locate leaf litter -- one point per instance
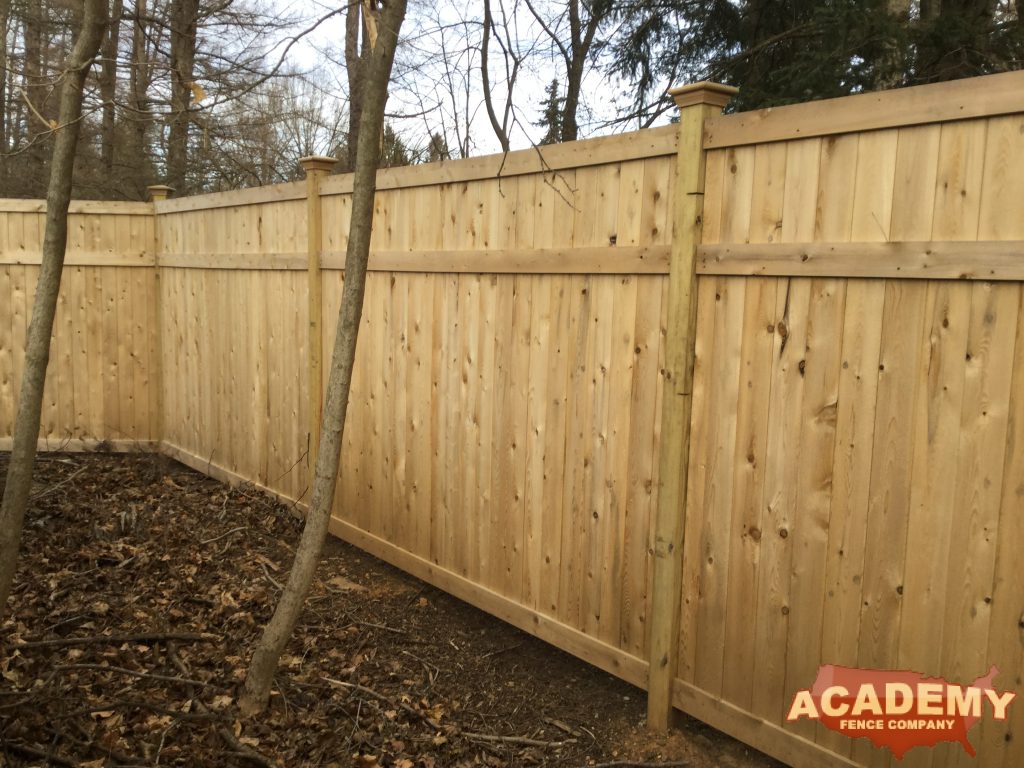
(142, 586)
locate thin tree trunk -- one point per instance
(184, 24)
(307, 556)
(108, 88)
(571, 105)
(35, 93)
(37, 347)
(141, 172)
(573, 75)
(5, 19)
(485, 77)
(355, 66)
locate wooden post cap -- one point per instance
(704, 92)
(158, 192)
(318, 163)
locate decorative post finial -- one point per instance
(159, 192)
(704, 92)
(318, 163)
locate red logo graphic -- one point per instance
(899, 710)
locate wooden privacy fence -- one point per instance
(706, 405)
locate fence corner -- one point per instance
(157, 194)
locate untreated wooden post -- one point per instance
(696, 103)
(316, 169)
(157, 194)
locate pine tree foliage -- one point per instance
(783, 51)
(551, 114)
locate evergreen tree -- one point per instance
(783, 51)
(394, 151)
(551, 114)
(437, 149)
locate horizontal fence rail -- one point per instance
(706, 405)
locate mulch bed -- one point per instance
(143, 585)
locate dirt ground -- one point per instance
(143, 585)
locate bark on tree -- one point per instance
(5, 19)
(35, 88)
(575, 52)
(108, 88)
(485, 75)
(184, 28)
(275, 636)
(139, 81)
(37, 346)
(355, 66)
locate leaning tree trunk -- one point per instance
(275, 636)
(37, 346)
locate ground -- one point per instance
(142, 586)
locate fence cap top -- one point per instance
(704, 92)
(159, 191)
(318, 163)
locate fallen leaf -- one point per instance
(345, 585)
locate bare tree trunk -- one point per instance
(139, 115)
(35, 92)
(485, 77)
(108, 88)
(575, 52)
(355, 66)
(571, 105)
(307, 556)
(892, 66)
(5, 19)
(184, 26)
(37, 347)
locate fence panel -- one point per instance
(103, 355)
(856, 463)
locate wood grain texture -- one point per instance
(856, 444)
(941, 102)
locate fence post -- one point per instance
(696, 103)
(157, 194)
(316, 169)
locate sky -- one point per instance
(431, 89)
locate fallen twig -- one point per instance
(60, 642)
(387, 700)
(55, 486)
(521, 740)
(248, 754)
(225, 534)
(501, 650)
(371, 625)
(270, 578)
(132, 672)
(635, 764)
(27, 750)
(241, 750)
